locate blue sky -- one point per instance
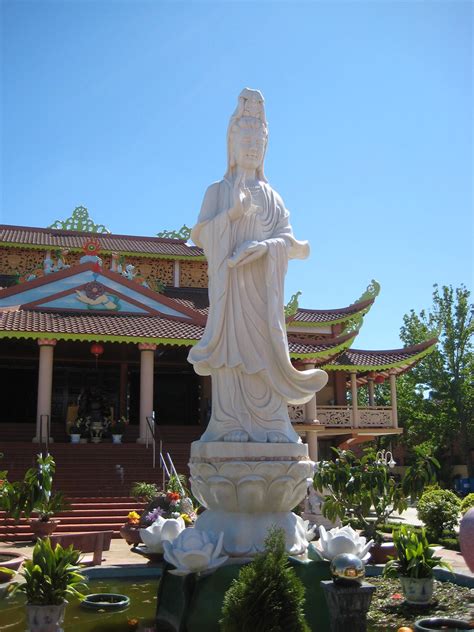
(122, 106)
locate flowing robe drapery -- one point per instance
(244, 347)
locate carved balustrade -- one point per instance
(342, 416)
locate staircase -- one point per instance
(96, 479)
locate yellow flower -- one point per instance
(186, 518)
(133, 517)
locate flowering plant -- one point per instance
(118, 426)
(169, 505)
(133, 518)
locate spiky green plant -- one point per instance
(51, 576)
(267, 596)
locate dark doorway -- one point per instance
(18, 392)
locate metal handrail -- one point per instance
(45, 451)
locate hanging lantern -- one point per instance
(97, 349)
(379, 379)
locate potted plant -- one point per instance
(34, 495)
(50, 577)
(75, 431)
(117, 428)
(414, 564)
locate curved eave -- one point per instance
(362, 309)
(418, 352)
(106, 251)
(323, 354)
(92, 337)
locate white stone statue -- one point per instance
(245, 232)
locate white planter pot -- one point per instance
(75, 438)
(116, 438)
(417, 591)
(45, 618)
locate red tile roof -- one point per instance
(52, 238)
(372, 360)
(97, 326)
(328, 315)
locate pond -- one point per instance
(139, 616)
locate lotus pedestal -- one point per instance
(248, 488)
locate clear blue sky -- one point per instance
(122, 106)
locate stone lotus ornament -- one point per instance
(343, 540)
(194, 551)
(310, 530)
(163, 529)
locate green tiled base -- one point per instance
(190, 604)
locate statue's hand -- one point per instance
(247, 252)
(242, 199)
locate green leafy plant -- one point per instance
(33, 493)
(467, 503)
(119, 426)
(51, 576)
(439, 510)
(416, 557)
(143, 490)
(267, 596)
(363, 491)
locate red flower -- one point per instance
(397, 596)
(173, 496)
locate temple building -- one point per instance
(98, 324)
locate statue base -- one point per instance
(248, 488)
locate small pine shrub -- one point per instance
(439, 510)
(467, 503)
(267, 596)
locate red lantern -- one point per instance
(97, 349)
(379, 379)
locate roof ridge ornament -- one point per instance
(183, 233)
(372, 291)
(354, 324)
(79, 221)
(292, 306)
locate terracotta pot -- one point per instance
(417, 591)
(43, 529)
(45, 618)
(11, 560)
(466, 538)
(379, 552)
(130, 533)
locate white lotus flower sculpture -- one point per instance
(343, 540)
(194, 551)
(310, 530)
(162, 530)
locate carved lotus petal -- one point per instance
(251, 493)
(163, 529)
(343, 540)
(300, 469)
(280, 491)
(194, 551)
(271, 469)
(235, 470)
(221, 493)
(203, 470)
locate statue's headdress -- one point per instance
(250, 105)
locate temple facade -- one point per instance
(98, 324)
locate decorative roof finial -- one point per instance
(79, 221)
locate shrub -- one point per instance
(467, 503)
(439, 510)
(267, 596)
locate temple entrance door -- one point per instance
(69, 382)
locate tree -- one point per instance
(436, 399)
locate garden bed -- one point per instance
(388, 610)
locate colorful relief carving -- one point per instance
(94, 296)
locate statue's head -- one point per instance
(247, 134)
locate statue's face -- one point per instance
(249, 148)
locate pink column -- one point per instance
(147, 358)
(45, 386)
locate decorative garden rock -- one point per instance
(466, 538)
